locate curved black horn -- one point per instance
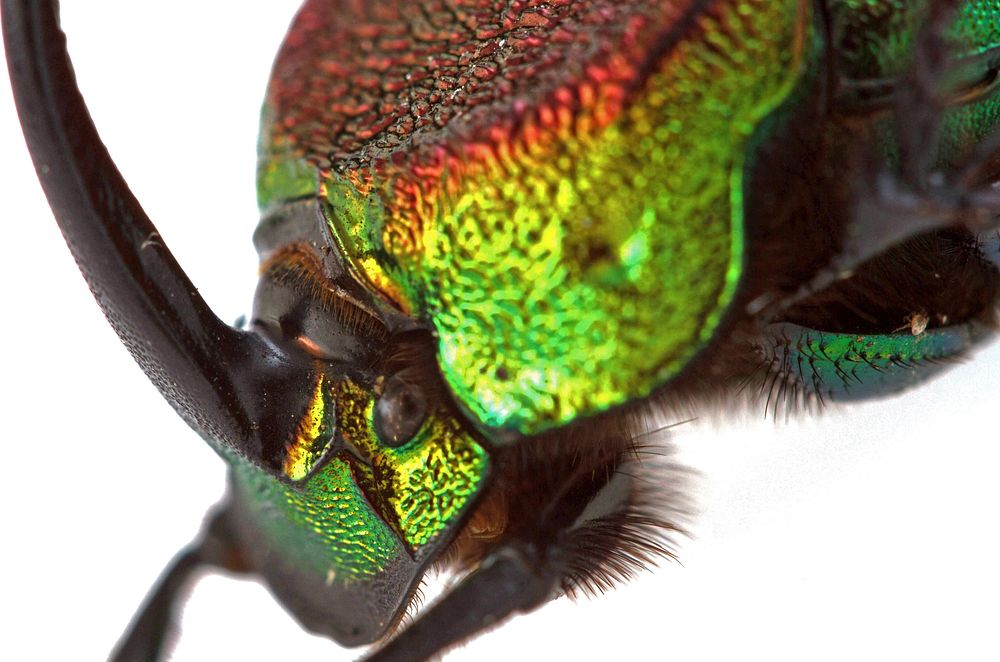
(225, 383)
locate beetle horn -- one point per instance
(225, 383)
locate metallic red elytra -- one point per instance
(365, 445)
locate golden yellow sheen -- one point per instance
(582, 261)
(422, 486)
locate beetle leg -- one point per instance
(918, 102)
(917, 198)
(897, 205)
(596, 523)
(511, 580)
(894, 205)
(514, 579)
(148, 634)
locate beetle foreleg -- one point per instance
(512, 580)
(925, 192)
(919, 196)
(919, 101)
(149, 632)
(578, 527)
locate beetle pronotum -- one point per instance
(862, 456)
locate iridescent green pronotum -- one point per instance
(502, 240)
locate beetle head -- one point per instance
(518, 225)
(351, 469)
(380, 470)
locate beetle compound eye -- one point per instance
(400, 412)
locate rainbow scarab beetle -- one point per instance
(495, 235)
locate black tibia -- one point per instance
(232, 387)
(147, 636)
(576, 513)
(510, 581)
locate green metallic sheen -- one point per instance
(581, 265)
(368, 505)
(873, 38)
(325, 523)
(282, 175)
(422, 487)
(845, 366)
(967, 125)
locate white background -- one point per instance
(866, 535)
